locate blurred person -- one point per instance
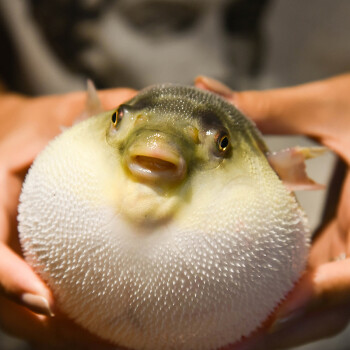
(56, 45)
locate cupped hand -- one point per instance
(319, 305)
(27, 307)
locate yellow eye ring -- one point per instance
(223, 143)
(114, 118)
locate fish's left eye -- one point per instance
(222, 142)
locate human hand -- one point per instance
(319, 305)
(26, 303)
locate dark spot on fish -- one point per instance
(208, 119)
(142, 102)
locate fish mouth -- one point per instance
(159, 163)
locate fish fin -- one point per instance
(93, 105)
(289, 164)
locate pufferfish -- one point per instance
(162, 225)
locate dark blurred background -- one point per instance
(54, 46)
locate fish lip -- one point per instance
(156, 164)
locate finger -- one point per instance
(278, 111)
(329, 245)
(327, 286)
(114, 97)
(331, 283)
(283, 111)
(318, 307)
(20, 322)
(214, 86)
(19, 282)
(66, 108)
(47, 332)
(318, 293)
(298, 330)
(307, 328)
(309, 109)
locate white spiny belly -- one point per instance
(200, 281)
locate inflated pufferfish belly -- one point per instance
(161, 225)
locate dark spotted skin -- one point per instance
(185, 102)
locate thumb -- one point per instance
(19, 283)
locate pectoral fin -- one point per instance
(289, 165)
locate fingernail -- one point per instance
(37, 304)
(215, 86)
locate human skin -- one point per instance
(316, 308)
(319, 306)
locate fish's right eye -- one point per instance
(117, 115)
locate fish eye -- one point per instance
(114, 118)
(117, 115)
(222, 142)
